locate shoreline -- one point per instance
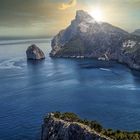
(95, 58)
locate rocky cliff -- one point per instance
(55, 128)
(68, 126)
(87, 38)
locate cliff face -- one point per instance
(68, 126)
(58, 129)
(87, 38)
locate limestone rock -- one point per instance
(88, 38)
(58, 129)
(34, 53)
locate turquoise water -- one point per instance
(102, 91)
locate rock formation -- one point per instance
(87, 38)
(60, 129)
(34, 53)
(68, 126)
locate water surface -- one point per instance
(102, 91)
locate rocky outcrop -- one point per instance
(61, 129)
(34, 53)
(87, 38)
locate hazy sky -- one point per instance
(47, 17)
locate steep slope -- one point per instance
(68, 126)
(55, 128)
(87, 38)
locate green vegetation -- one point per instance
(66, 116)
(115, 135)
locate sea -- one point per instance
(107, 92)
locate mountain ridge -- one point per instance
(87, 38)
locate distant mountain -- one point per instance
(2, 38)
(87, 38)
(136, 32)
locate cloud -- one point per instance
(65, 6)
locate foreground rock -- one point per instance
(55, 128)
(87, 38)
(68, 126)
(34, 53)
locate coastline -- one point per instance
(69, 126)
(95, 58)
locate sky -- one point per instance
(48, 17)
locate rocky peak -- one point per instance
(90, 39)
(83, 16)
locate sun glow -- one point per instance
(97, 14)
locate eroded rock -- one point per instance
(34, 53)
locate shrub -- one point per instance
(57, 114)
(96, 126)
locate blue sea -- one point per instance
(103, 91)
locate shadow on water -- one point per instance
(35, 74)
(35, 67)
(96, 64)
(135, 73)
(136, 76)
(86, 63)
(35, 63)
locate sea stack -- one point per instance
(34, 53)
